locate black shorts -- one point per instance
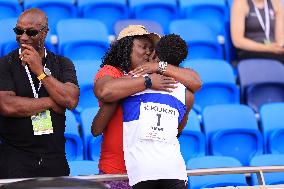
(162, 184)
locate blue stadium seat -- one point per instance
(268, 160)
(107, 11)
(152, 26)
(192, 140)
(83, 167)
(212, 12)
(92, 145)
(259, 89)
(219, 86)
(232, 130)
(200, 46)
(55, 10)
(9, 9)
(210, 181)
(7, 36)
(272, 126)
(86, 71)
(160, 11)
(82, 39)
(73, 145)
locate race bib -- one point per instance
(42, 123)
(158, 122)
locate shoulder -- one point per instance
(240, 6)
(277, 5)
(110, 71)
(10, 58)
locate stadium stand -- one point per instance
(82, 39)
(73, 145)
(160, 11)
(265, 160)
(232, 130)
(92, 145)
(208, 181)
(9, 8)
(206, 43)
(151, 25)
(259, 89)
(83, 167)
(101, 9)
(272, 126)
(86, 71)
(219, 86)
(192, 140)
(55, 9)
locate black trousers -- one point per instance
(242, 54)
(18, 164)
(162, 184)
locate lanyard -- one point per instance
(266, 26)
(35, 92)
(30, 77)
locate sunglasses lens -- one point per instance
(31, 33)
(18, 31)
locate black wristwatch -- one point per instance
(148, 82)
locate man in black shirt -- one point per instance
(36, 87)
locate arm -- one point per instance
(189, 104)
(238, 13)
(279, 21)
(15, 106)
(103, 117)
(64, 94)
(110, 89)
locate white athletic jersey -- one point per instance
(150, 128)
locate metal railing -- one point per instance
(194, 172)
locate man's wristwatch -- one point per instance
(148, 82)
(46, 72)
(162, 67)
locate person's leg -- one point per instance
(149, 184)
(173, 184)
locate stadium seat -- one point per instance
(9, 9)
(92, 145)
(192, 140)
(54, 9)
(83, 167)
(200, 46)
(219, 86)
(272, 126)
(232, 130)
(259, 89)
(268, 160)
(7, 36)
(210, 181)
(73, 145)
(152, 26)
(82, 39)
(212, 12)
(107, 11)
(158, 10)
(86, 71)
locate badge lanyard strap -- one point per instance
(266, 26)
(32, 82)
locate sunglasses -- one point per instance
(29, 32)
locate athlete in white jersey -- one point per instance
(151, 123)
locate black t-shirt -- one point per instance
(18, 132)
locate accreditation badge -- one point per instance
(42, 123)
